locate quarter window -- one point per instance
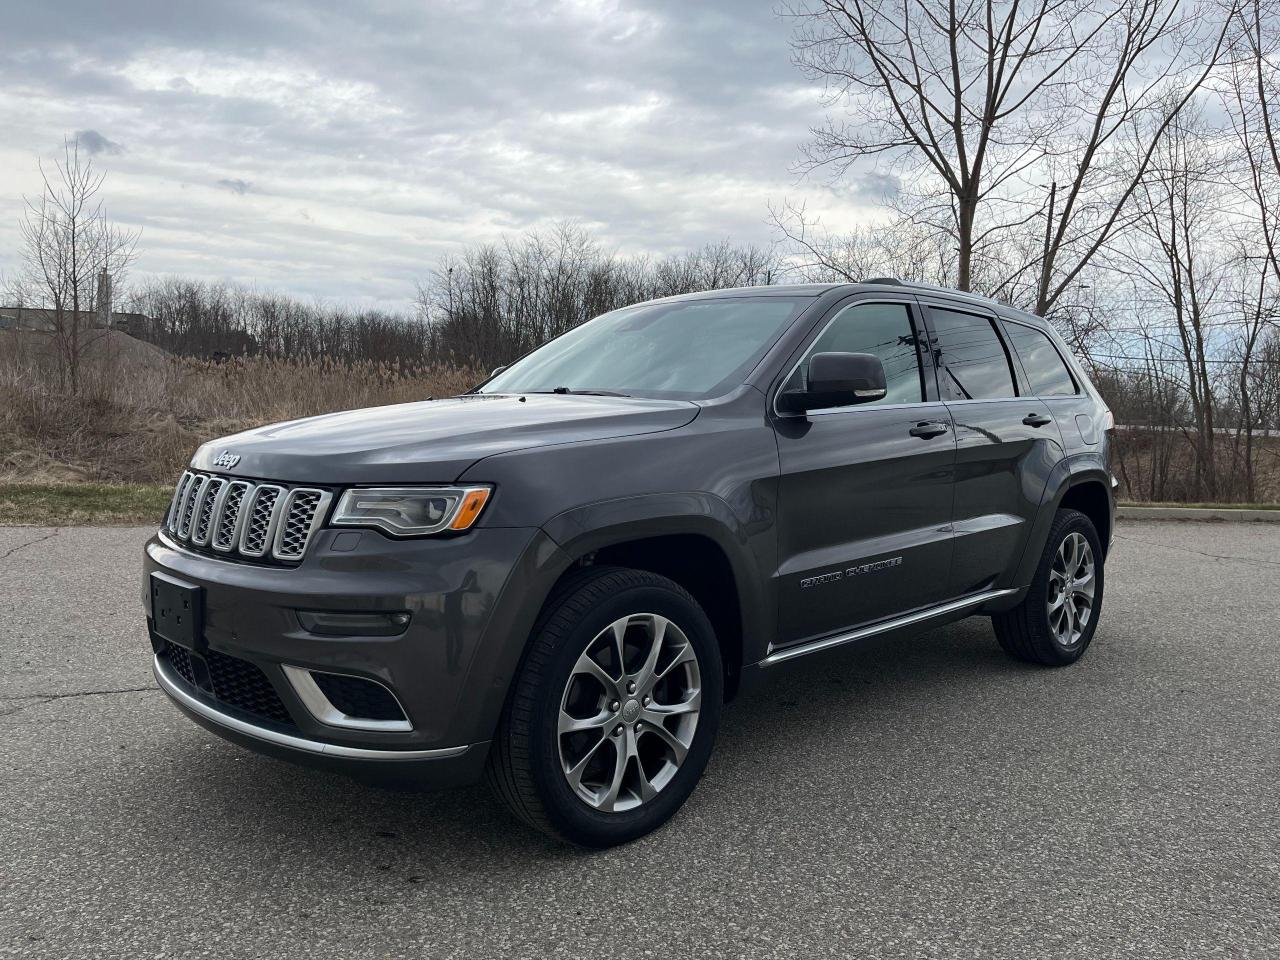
(971, 358)
(883, 329)
(1046, 371)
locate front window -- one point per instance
(883, 329)
(685, 350)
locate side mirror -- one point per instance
(837, 380)
(497, 370)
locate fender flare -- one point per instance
(605, 523)
(1066, 474)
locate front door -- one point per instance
(1006, 444)
(865, 491)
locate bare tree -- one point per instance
(493, 302)
(70, 250)
(1174, 256)
(1006, 117)
(1252, 102)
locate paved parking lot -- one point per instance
(915, 799)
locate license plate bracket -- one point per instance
(177, 611)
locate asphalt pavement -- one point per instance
(922, 798)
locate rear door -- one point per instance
(865, 491)
(1007, 441)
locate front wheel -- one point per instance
(614, 712)
(1056, 620)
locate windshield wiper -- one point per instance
(581, 393)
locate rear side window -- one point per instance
(971, 358)
(1046, 370)
(883, 329)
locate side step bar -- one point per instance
(813, 646)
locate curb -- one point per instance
(1212, 514)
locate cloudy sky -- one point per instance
(337, 149)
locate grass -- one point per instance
(140, 413)
(82, 504)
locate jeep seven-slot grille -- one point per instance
(258, 521)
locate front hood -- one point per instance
(432, 441)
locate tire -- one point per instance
(1038, 629)
(611, 776)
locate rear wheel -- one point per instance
(613, 715)
(1057, 619)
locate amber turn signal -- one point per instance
(472, 504)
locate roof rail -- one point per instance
(917, 285)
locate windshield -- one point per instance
(686, 350)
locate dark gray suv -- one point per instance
(559, 578)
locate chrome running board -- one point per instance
(813, 646)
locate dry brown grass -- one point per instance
(142, 413)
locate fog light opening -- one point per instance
(358, 698)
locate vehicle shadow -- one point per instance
(304, 820)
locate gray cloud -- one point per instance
(876, 186)
(95, 143)
(406, 129)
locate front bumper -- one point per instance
(443, 766)
(470, 600)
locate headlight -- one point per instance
(411, 511)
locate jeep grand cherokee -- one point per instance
(558, 579)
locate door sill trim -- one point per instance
(813, 646)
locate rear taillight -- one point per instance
(1108, 421)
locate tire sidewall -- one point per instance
(1071, 522)
(569, 814)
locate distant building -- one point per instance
(40, 318)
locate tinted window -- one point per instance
(972, 360)
(686, 350)
(1044, 366)
(880, 328)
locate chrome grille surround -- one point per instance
(258, 521)
(202, 523)
(262, 514)
(227, 533)
(294, 527)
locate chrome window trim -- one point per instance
(864, 408)
(1022, 397)
(320, 707)
(235, 724)
(840, 308)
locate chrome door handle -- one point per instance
(927, 429)
(1036, 419)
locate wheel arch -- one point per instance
(693, 539)
(1085, 487)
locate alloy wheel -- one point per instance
(1073, 582)
(629, 712)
